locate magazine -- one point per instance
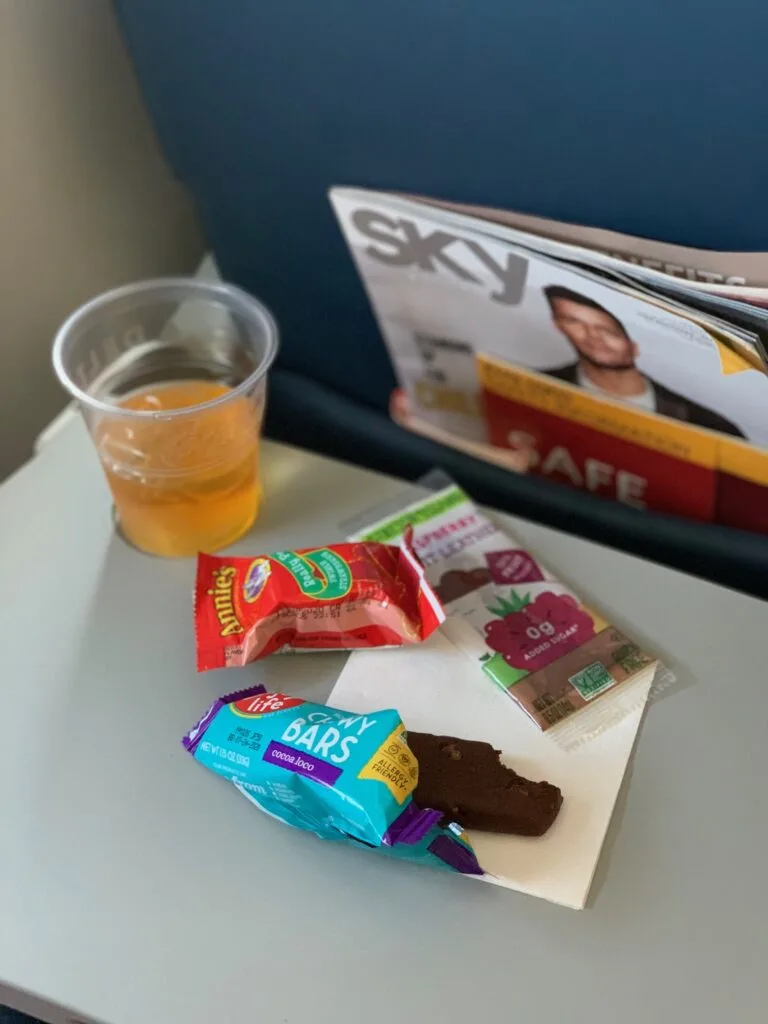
(402, 413)
(627, 381)
(741, 275)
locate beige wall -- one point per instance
(86, 200)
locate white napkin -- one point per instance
(437, 689)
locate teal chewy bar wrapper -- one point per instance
(340, 775)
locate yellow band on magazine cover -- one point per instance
(679, 440)
(739, 458)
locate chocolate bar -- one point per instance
(466, 781)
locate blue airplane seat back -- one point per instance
(647, 118)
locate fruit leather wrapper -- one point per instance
(532, 635)
(343, 776)
(339, 597)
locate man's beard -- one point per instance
(629, 365)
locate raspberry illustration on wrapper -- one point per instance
(531, 634)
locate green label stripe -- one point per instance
(421, 513)
(501, 673)
(321, 574)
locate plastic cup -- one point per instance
(171, 376)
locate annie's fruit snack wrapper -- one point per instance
(337, 597)
(532, 635)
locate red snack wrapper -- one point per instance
(339, 597)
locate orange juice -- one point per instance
(183, 483)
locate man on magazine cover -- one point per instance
(605, 363)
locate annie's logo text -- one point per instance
(223, 600)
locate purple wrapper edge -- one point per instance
(411, 826)
(193, 737)
(455, 854)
